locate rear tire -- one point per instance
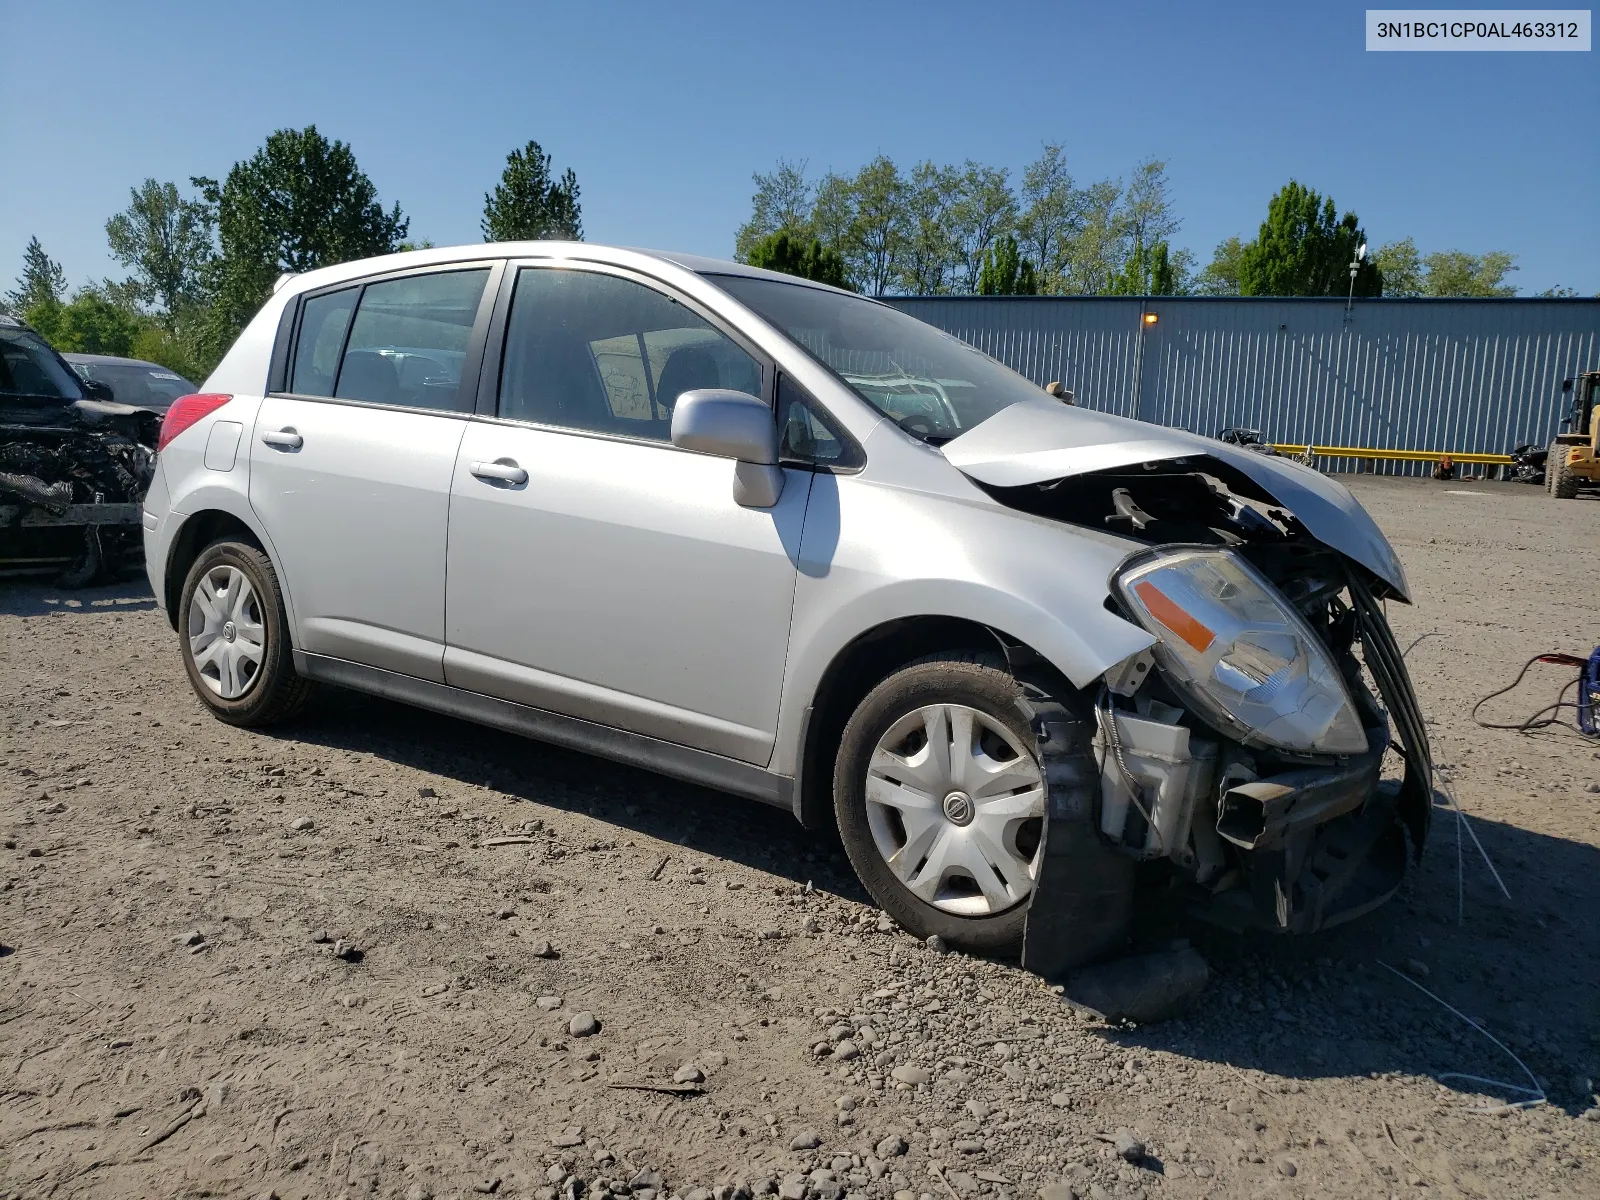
(1562, 482)
(233, 633)
(1005, 716)
(90, 564)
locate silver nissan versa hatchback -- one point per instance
(787, 542)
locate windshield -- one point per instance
(929, 383)
(28, 367)
(144, 385)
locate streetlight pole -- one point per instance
(1355, 267)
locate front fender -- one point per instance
(1041, 583)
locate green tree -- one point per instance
(1457, 273)
(1145, 215)
(984, 209)
(528, 204)
(783, 200)
(1005, 272)
(930, 257)
(793, 254)
(1303, 249)
(1152, 271)
(298, 203)
(1051, 215)
(1094, 254)
(864, 217)
(167, 243)
(938, 229)
(42, 281)
(1221, 275)
(90, 323)
(156, 343)
(1401, 267)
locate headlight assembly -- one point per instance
(1240, 654)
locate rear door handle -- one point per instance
(283, 439)
(503, 470)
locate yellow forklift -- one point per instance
(1574, 460)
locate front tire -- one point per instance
(1562, 482)
(941, 790)
(234, 634)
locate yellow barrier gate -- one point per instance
(1394, 455)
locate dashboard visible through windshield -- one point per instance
(932, 385)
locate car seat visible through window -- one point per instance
(368, 375)
(688, 368)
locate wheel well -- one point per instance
(859, 668)
(198, 532)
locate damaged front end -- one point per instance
(72, 478)
(1267, 749)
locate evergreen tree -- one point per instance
(42, 281)
(527, 204)
(1004, 272)
(1152, 271)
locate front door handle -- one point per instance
(283, 439)
(504, 470)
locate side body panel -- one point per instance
(621, 584)
(357, 511)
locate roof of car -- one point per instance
(593, 251)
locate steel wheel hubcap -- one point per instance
(227, 637)
(955, 804)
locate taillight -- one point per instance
(185, 411)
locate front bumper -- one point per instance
(1324, 845)
(1315, 846)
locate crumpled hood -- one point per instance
(1036, 441)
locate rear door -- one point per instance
(351, 464)
(595, 569)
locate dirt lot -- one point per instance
(175, 1019)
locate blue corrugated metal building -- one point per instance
(1434, 375)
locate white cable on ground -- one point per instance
(1463, 823)
(1535, 1094)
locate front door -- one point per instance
(350, 469)
(593, 568)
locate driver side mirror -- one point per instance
(733, 425)
(95, 390)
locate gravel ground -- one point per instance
(307, 963)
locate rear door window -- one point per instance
(408, 342)
(323, 322)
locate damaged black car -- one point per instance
(74, 467)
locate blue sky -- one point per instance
(664, 110)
